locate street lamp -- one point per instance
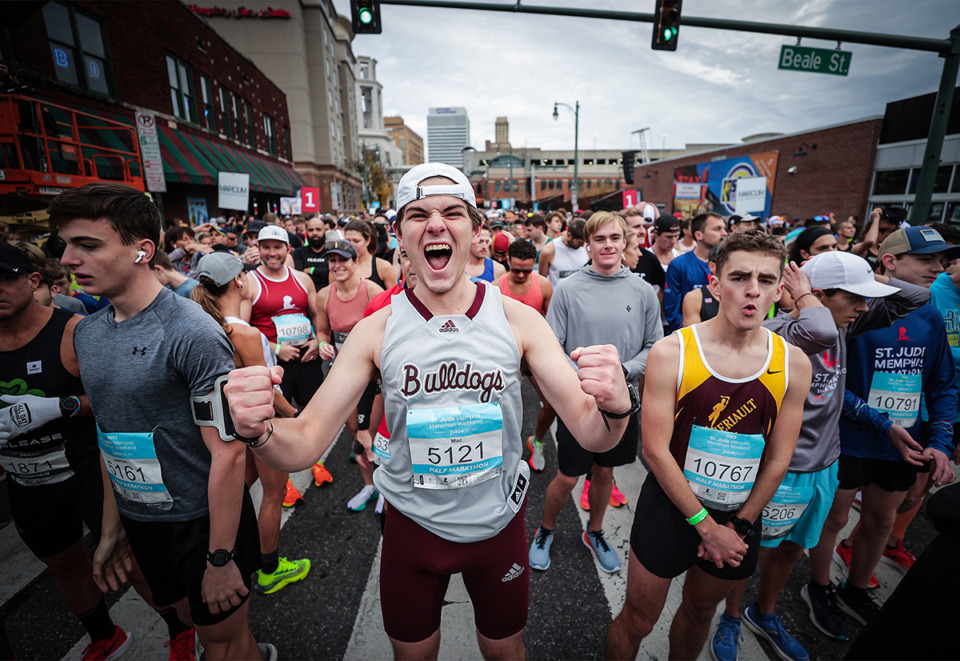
(576, 147)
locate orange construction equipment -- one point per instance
(47, 148)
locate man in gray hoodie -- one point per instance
(604, 303)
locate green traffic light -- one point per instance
(366, 16)
(669, 33)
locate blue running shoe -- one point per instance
(540, 549)
(771, 628)
(606, 557)
(726, 639)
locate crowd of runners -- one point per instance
(771, 376)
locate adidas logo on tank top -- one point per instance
(449, 327)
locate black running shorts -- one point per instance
(50, 518)
(173, 558)
(666, 544)
(574, 460)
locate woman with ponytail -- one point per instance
(221, 292)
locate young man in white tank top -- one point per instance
(437, 220)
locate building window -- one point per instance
(182, 97)
(248, 114)
(237, 116)
(78, 48)
(225, 111)
(940, 185)
(286, 143)
(543, 184)
(891, 182)
(207, 110)
(268, 130)
(496, 187)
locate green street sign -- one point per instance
(815, 60)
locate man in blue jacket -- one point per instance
(691, 270)
(891, 370)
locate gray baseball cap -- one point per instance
(221, 267)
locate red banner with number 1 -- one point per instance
(310, 200)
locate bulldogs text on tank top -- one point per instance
(451, 389)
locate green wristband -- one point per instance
(698, 517)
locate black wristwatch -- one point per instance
(634, 405)
(220, 557)
(742, 527)
(69, 406)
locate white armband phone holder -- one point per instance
(213, 411)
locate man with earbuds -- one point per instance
(148, 363)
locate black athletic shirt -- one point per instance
(650, 269)
(36, 369)
(313, 264)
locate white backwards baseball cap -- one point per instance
(846, 271)
(409, 188)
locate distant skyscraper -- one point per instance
(502, 130)
(448, 132)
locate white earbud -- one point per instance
(140, 255)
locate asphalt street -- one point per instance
(334, 613)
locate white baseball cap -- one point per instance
(409, 188)
(274, 232)
(846, 271)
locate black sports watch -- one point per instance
(634, 405)
(742, 527)
(220, 557)
(69, 406)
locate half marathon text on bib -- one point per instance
(897, 395)
(134, 469)
(784, 510)
(454, 447)
(292, 329)
(721, 466)
(37, 468)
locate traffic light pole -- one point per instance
(949, 49)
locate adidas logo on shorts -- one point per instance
(514, 572)
(449, 327)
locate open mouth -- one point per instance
(750, 308)
(438, 255)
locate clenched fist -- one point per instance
(601, 375)
(250, 393)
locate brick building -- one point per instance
(215, 110)
(408, 140)
(823, 170)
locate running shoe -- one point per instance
(288, 571)
(321, 475)
(726, 639)
(771, 628)
(537, 462)
(857, 603)
(824, 612)
(857, 500)
(617, 498)
(380, 503)
(359, 502)
(183, 647)
(268, 651)
(898, 557)
(540, 549)
(107, 649)
(842, 555)
(607, 559)
(292, 496)
(585, 496)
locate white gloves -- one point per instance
(26, 413)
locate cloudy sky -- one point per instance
(719, 86)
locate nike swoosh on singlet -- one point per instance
(777, 372)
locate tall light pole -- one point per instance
(576, 147)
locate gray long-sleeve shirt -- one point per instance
(817, 335)
(620, 309)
